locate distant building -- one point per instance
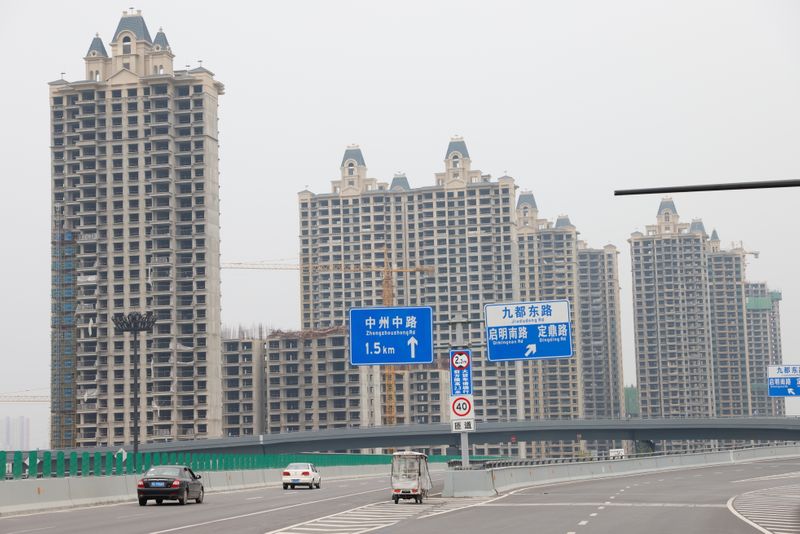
(475, 245)
(310, 384)
(764, 346)
(135, 219)
(704, 334)
(461, 229)
(728, 328)
(600, 334)
(671, 318)
(242, 387)
(15, 433)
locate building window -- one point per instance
(126, 45)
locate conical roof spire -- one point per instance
(667, 204)
(564, 222)
(133, 22)
(526, 198)
(457, 144)
(161, 40)
(714, 235)
(400, 182)
(354, 152)
(97, 47)
(697, 227)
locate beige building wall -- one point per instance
(135, 182)
(461, 230)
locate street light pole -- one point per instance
(134, 323)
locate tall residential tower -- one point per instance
(671, 317)
(135, 219)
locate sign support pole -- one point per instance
(460, 343)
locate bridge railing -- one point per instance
(59, 464)
(520, 462)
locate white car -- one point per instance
(301, 474)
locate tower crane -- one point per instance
(389, 371)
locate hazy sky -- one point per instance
(574, 99)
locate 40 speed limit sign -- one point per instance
(461, 407)
(462, 416)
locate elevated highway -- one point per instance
(751, 428)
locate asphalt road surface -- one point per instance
(722, 499)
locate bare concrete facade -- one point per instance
(135, 196)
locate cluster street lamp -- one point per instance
(134, 323)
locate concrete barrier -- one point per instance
(33, 495)
(487, 482)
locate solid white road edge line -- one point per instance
(743, 518)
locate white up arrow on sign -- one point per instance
(412, 342)
(531, 349)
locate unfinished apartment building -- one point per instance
(135, 228)
(242, 386)
(451, 246)
(600, 337)
(671, 318)
(554, 264)
(763, 346)
(728, 326)
(310, 384)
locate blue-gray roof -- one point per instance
(526, 198)
(161, 40)
(563, 222)
(457, 145)
(135, 24)
(97, 47)
(666, 203)
(714, 235)
(354, 153)
(697, 226)
(401, 182)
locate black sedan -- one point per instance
(170, 482)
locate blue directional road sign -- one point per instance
(460, 372)
(391, 336)
(783, 380)
(528, 330)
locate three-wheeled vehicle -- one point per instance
(410, 476)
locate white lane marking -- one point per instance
(370, 517)
(571, 532)
(793, 474)
(601, 507)
(743, 518)
(260, 512)
(459, 505)
(254, 498)
(614, 505)
(582, 523)
(267, 486)
(593, 514)
(31, 530)
(613, 497)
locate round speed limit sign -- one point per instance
(462, 407)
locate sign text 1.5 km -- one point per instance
(391, 336)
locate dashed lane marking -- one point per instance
(582, 523)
